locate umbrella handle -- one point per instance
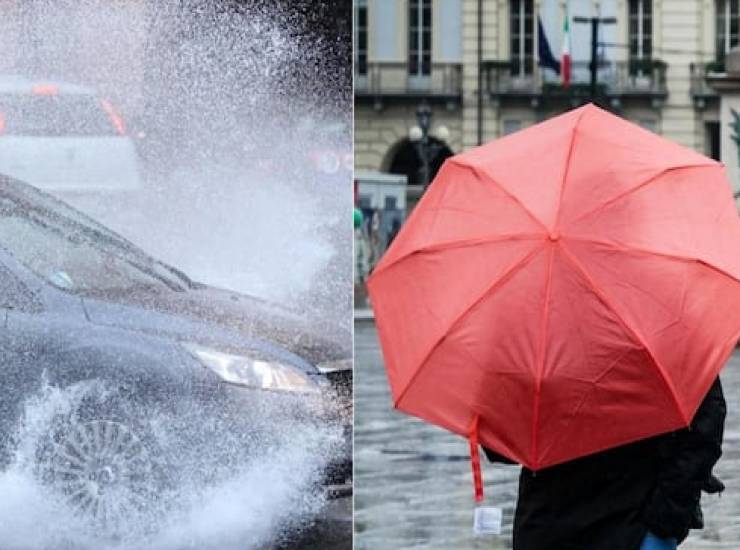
(475, 459)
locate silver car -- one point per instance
(65, 139)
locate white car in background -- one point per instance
(65, 139)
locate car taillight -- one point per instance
(327, 162)
(45, 89)
(115, 118)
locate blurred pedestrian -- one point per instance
(395, 228)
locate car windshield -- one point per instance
(75, 257)
(53, 115)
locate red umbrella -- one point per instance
(563, 290)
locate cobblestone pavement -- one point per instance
(413, 485)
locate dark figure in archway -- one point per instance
(406, 160)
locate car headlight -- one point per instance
(254, 371)
(330, 367)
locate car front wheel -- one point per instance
(106, 467)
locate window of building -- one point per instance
(727, 26)
(511, 125)
(449, 30)
(640, 29)
(361, 37)
(649, 124)
(365, 202)
(712, 137)
(386, 28)
(420, 37)
(522, 37)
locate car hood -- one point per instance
(218, 314)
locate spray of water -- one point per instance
(226, 102)
(219, 495)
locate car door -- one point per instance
(18, 377)
(15, 297)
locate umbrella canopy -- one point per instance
(567, 289)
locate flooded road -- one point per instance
(413, 485)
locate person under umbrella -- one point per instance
(567, 296)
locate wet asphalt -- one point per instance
(332, 530)
(413, 485)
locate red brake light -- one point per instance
(115, 118)
(45, 89)
(326, 161)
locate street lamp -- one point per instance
(426, 149)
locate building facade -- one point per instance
(476, 63)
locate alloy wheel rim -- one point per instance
(103, 470)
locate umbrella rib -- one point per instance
(492, 288)
(567, 168)
(486, 177)
(632, 190)
(647, 251)
(584, 397)
(462, 243)
(541, 359)
(661, 370)
(474, 213)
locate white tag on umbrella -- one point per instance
(487, 520)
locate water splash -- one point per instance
(264, 489)
(226, 102)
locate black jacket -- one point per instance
(609, 500)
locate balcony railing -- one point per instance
(388, 79)
(700, 90)
(616, 79)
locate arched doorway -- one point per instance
(404, 159)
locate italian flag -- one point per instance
(565, 57)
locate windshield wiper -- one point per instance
(97, 236)
(134, 257)
(127, 255)
(179, 274)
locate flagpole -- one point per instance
(537, 72)
(593, 66)
(479, 125)
(594, 57)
